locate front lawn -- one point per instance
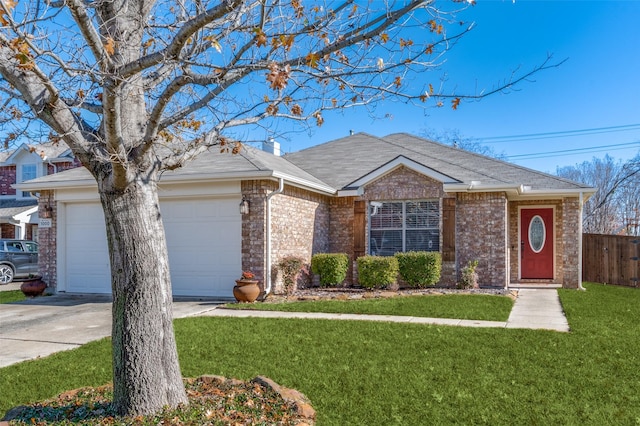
(11, 296)
(362, 373)
(474, 307)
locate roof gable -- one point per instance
(345, 162)
(390, 167)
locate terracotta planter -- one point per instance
(246, 290)
(33, 288)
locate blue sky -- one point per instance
(596, 88)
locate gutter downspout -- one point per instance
(580, 212)
(267, 281)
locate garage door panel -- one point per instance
(203, 240)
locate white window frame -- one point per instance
(21, 177)
(434, 216)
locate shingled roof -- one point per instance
(344, 161)
(351, 162)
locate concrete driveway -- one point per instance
(45, 325)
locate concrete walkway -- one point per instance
(533, 309)
(45, 325)
(538, 309)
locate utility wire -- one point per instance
(560, 134)
(549, 155)
(576, 150)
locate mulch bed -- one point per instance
(213, 400)
(355, 293)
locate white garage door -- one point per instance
(203, 237)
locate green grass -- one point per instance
(362, 373)
(477, 307)
(11, 296)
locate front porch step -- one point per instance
(519, 286)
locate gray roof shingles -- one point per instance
(345, 160)
(339, 163)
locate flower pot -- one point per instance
(33, 288)
(246, 290)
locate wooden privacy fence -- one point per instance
(611, 259)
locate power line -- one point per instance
(578, 150)
(559, 134)
(567, 152)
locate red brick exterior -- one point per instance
(481, 234)
(7, 178)
(304, 223)
(47, 252)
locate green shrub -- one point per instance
(290, 267)
(420, 268)
(469, 278)
(331, 267)
(377, 271)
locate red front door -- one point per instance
(536, 243)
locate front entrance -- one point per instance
(536, 243)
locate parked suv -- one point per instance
(18, 258)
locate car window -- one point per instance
(31, 247)
(14, 246)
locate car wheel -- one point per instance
(6, 274)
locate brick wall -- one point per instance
(7, 178)
(299, 227)
(567, 240)
(403, 184)
(481, 234)
(341, 231)
(570, 242)
(7, 230)
(47, 243)
(253, 226)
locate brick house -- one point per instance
(357, 195)
(19, 209)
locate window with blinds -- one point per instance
(401, 226)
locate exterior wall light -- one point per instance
(244, 206)
(46, 212)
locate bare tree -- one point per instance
(138, 87)
(455, 138)
(615, 207)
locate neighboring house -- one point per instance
(19, 209)
(358, 195)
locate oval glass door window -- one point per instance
(537, 234)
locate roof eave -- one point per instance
(190, 178)
(521, 192)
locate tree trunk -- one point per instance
(146, 371)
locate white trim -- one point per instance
(397, 163)
(268, 257)
(519, 192)
(88, 181)
(553, 236)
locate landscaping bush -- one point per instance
(469, 277)
(331, 267)
(290, 267)
(377, 271)
(420, 268)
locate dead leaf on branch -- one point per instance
(23, 54)
(278, 77)
(110, 46)
(455, 103)
(296, 110)
(9, 5)
(261, 37)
